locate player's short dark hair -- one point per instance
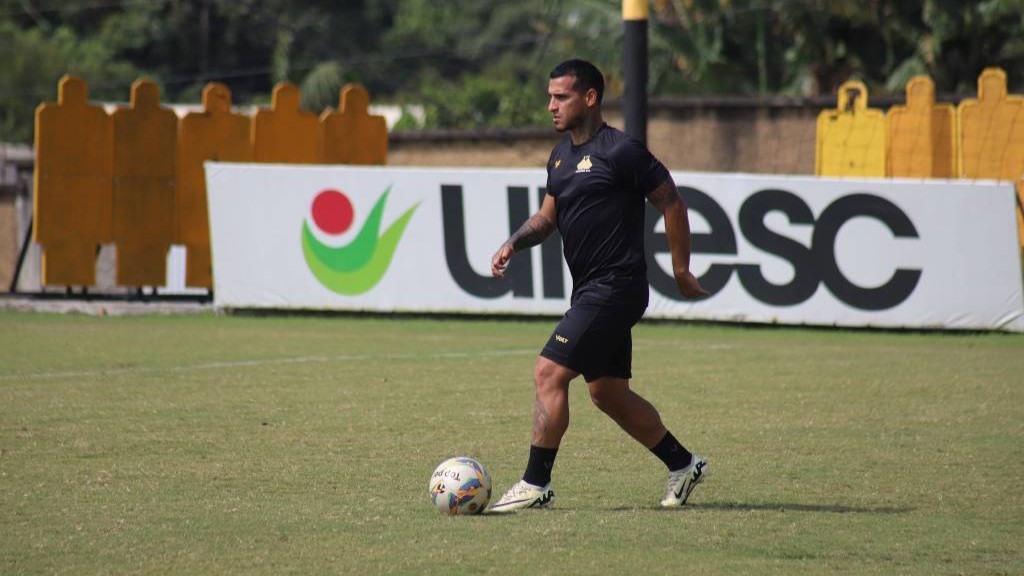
(587, 76)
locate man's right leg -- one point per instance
(550, 421)
(551, 411)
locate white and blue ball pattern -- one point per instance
(460, 486)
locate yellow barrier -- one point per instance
(72, 201)
(353, 136)
(214, 134)
(284, 133)
(922, 134)
(992, 130)
(145, 148)
(992, 135)
(136, 177)
(851, 137)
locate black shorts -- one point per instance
(594, 339)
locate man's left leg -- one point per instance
(640, 419)
(629, 410)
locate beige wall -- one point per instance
(8, 238)
(482, 150)
(758, 140)
(742, 137)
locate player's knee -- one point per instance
(607, 400)
(549, 378)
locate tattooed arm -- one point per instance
(532, 232)
(677, 228)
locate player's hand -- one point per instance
(689, 287)
(499, 262)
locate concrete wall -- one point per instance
(15, 206)
(8, 238)
(466, 149)
(744, 138)
(773, 136)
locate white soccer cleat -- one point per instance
(521, 496)
(682, 482)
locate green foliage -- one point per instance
(407, 121)
(478, 64)
(483, 101)
(321, 88)
(24, 79)
(35, 60)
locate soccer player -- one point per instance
(598, 179)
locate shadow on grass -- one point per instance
(726, 506)
(790, 507)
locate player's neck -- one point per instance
(586, 130)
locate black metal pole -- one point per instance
(634, 18)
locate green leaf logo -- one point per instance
(358, 266)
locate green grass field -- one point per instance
(240, 445)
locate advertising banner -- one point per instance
(770, 249)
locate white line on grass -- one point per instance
(265, 362)
(301, 359)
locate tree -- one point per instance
(479, 64)
(36, 59)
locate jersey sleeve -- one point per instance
(637, 168)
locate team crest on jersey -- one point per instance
(558, 163)
(585, 165)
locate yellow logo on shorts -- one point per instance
(561, 339)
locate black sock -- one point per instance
(538, 468)
(672, 453)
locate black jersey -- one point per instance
(600, 188)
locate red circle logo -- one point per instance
(332, 211)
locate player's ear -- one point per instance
(591, 97)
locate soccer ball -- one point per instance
(460, 486)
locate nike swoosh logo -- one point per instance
(698, 472)
(544, 499)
